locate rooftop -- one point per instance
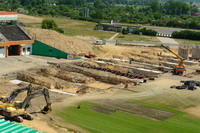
(12, 33)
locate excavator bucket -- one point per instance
(46, 110)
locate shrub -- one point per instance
(186, 34)
(145, 31)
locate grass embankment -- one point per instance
(120, 122)
(188, 42)
(76, 28)
(132, 37)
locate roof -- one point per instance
(8, 13)
(10, 127)
(13, 33)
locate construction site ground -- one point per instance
(102, 89)
(156, 92)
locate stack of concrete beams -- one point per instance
(196, 52)
(150, 73)
(168, 64)
(163, 68)
(186, 62)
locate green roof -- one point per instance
(11, 127)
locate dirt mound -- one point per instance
(137, 52)
(65, 43)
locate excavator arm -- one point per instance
(15, 93)
(41, 92)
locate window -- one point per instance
(28, 49)
(24, 50)
(1, 47)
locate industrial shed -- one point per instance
(13, 39)
(43, 49)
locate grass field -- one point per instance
(120, 122)
(190, 42)
(132, 37)
(76, 28)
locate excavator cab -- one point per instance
(17, 104)
(4, 99)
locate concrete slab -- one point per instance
(16, 63)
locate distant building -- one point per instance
(196, 14)
(116, 27)
(13, 39)
(86, 12)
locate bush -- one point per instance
(145, 31)
(51, 24)
(186, 34)
(124, 31)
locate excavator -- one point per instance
(16, 110)
(180, 68)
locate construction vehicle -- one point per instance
(15, 93)
(180, 68)
(17, 111)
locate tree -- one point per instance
(155, 6)
(49, 24)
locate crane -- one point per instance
(180, 68)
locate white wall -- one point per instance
(2, 52)
(27, 49)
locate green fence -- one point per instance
(42, 49)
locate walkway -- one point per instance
(167, 40)
(113, 37)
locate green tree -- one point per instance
(155, 6)
(49, 24)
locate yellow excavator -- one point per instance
(16, 110)
(180, 68)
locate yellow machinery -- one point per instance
(180, 68)
(16, 110)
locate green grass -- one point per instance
(121, 122)
(76, 28)
(190, 42)
(132, 37)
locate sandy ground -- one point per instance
(195, 111)
(125, 52)
(167, 40)
(29, 19)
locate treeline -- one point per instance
(186, 34)
(171, 13)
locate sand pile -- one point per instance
(65, 43)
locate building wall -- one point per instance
(8, 17)
(26, 49)
(42, 49)
(2, 52)
(196, 52)
(184, 52)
